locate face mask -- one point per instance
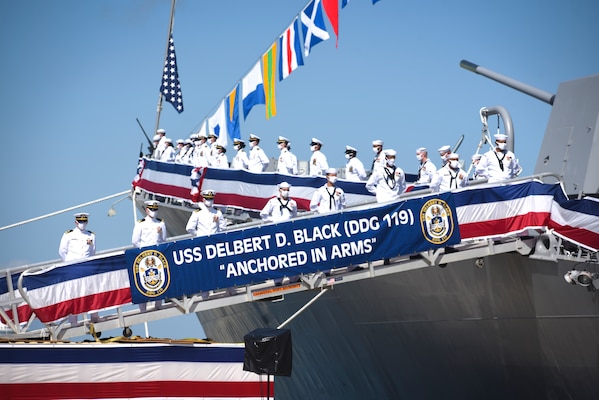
(391, 162)
(332, 179)
(281, 146)
(314, 148)
(208, 203)
(418, 157)
(236, 147)
(252, 144)
(501, 146)
(284, 193)
(152, 213)
(81, 225)
(455, 164)
(375, 150)
(347, 156)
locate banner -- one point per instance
(291, 248)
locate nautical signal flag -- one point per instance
(252, 89)
(217, 124)
(313, 27)
(291, 51)
(233, 113)
(269, 65)
(331, 8)
(171, 88)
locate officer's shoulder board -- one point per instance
(141, 220)
(69, 231)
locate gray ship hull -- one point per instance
(513, 329)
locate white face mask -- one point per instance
(236, 147)
(418, 157)
(455, 164)
(284, 193)
(81, 225)
(152, 213)
(332, 179)
(208, 203)
(501, 146)
(252, 144)
(314, 148)
(444, 157)
(281, 146)
(390, 161)
(375, 150)
(347, 156)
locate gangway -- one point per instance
(539, 243)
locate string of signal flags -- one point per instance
(284, 55)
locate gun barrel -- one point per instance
(514, 84)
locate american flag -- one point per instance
(171, 88)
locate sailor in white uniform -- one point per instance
(201, 152)
(241, 160)
(450, 176)
(354, 168)
(328, 197)
(426, 169)
(206, 219)
(444, 151)
(161, 133)
(258, 159)
(318, 161)
(281, 207)
(212, 143)
(498, 164)
(388, 182)
(150, 230)
(285, 163)
(379, 155)
(168, 154)
(78, 243)
(219, 160)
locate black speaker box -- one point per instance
(268, 351)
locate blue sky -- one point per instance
(77, 74)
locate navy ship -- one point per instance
(496, 326)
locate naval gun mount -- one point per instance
(570, 146)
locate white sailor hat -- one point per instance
(81, 216)
(168, 140)
(180, 141)
(208, 194)
(377, 142)
(331, 171)
(212, 134)
(476, 157)
(193, 136)
(349, 149)
(253, 137)
(151, 204)
(390, 152)
(500, 136)
(453, 156)
(284, 185)
(187, 141)
(156, 138)
(282, 139)
(160, 131)
(315, 141)
(444, 149)
(421, 150)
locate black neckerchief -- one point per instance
(500, 160)
(282, 206)
(453, 177)
(331, 196)
(390, 177)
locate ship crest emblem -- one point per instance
(152, 274)
(436, 221)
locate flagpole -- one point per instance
(168, 37)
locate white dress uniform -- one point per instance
(278, 209)
(498, 166)
(386, 183)
(285, 164)
(258, 160)
(448, 178)
(77, 244)
(318, 163)
(168, 154)
(148, 232)
(200, 155)
(206, 221)
(327, 199)
(426, 171)
(241, 160)
(220, 161)
(354, 170)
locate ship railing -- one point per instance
(127, 315)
